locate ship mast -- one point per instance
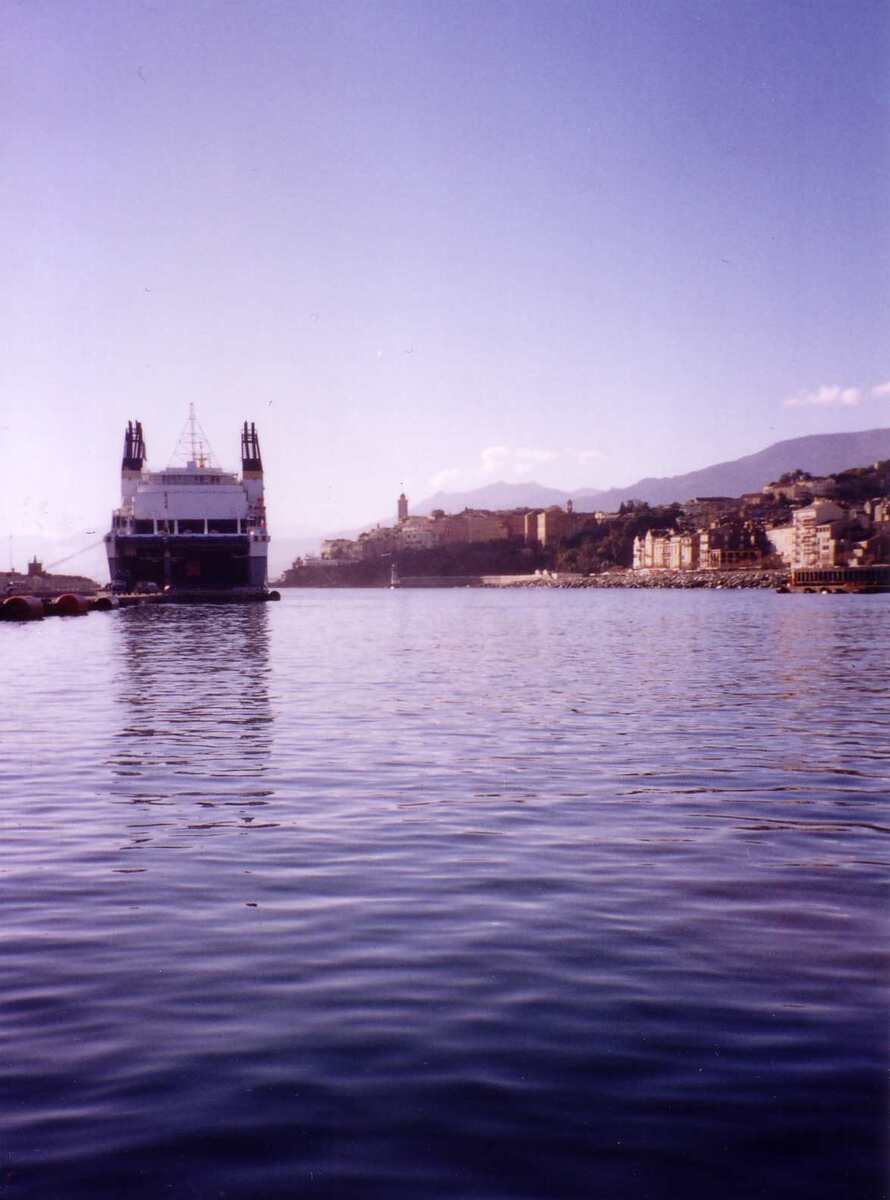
(193, 434)
(193, 444)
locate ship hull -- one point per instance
(187, 562)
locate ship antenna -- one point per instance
(193, 443)
(193, 435)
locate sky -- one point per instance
(429, 245)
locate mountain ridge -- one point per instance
(818, 453)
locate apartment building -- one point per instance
(809, 546)
(652, 551)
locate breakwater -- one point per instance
(652, 579)
(565, 579)
(608, 579)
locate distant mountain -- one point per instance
(495, 496)
(819, 453)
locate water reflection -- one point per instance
(192, 690)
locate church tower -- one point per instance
(403, 508)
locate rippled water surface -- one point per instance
(447, 894)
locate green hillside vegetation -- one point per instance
(611, 544)
(863, 483)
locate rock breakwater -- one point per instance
(658, 579)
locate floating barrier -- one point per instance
(71, 605)
(21, 608)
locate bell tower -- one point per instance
(403, 508)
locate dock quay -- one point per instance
(841, 579)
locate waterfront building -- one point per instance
(730, 545)
(781, 542)
(416, 533)
(485, 527)
(554, 524)
(514, 522)
(878, 510)
(652, 551)
(530, 527)
(449, 530)
(808, 546)
(683, 551)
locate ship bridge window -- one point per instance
(143, 526)
(191, 526)
(222, 525)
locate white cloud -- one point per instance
(494, 458)
(589, 456)
(881, 390)
(514, 460)
(447, 477)
(829, 395)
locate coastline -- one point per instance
(709, 580)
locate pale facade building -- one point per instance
(553, 525)
(806, 522)
(781, 541)
(416, 533)
(683, 551)
(653, 550)
(801, 489)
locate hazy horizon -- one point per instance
(428, 247)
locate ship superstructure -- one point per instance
(191, 527)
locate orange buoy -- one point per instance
(21, 608)
(71, 605)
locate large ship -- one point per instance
(189, 528)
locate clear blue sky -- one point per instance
(435, 243)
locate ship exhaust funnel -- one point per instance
(134, 447)
(251, 459)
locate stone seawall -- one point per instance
(440, 581)
(564, 579)
(656, 579)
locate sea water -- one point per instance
(459, 893)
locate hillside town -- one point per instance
(796, 522)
